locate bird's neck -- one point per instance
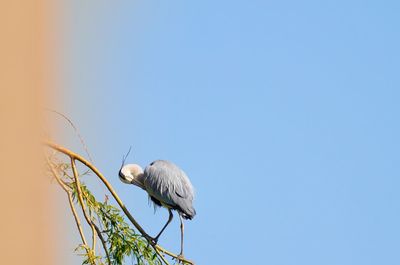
(138, 180)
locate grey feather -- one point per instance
(168, 184)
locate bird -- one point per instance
(167, 185)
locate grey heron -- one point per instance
(167, 185)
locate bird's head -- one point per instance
(132, 174)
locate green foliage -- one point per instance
(121, 240)
(88, 255)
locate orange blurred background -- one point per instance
(25, 78)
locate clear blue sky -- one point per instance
(284, 114)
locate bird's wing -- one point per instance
(170, 185)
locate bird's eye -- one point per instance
(152, 163)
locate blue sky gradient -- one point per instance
(284, 114)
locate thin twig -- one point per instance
(177, 257)
(75, 129)
(80, 199)
(71, 204)
(74, 157)
(160, 255)
(77, 220)
(103, 241)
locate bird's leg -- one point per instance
(182, 230)
(165, 226)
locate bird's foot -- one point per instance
(152, 241)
